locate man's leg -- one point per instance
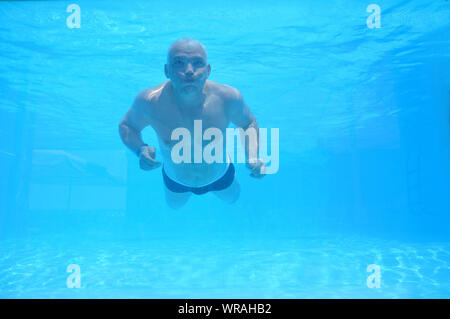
(229, 194)
(176, 200)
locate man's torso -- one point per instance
(165, 116)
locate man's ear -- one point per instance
(166, 71)
(209, 69)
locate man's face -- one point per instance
(187, 68)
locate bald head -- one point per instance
(186, 44)
(187, 66)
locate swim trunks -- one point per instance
(224, 182)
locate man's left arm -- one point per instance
(242, 117)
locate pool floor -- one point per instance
(311, 267)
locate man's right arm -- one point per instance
(138, 117)
(134, 121)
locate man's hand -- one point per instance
(147, 158)
(257, 167)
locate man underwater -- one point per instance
(189, 96)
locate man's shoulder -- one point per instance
(150, 95)
(146, 101)
(226, 92)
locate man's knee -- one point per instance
(233, 199)
(175, 204)
(176, 201)
(236, 194)
(231, 194)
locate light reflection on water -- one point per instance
(302, 268)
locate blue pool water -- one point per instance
(364, 177)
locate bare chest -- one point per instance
(169, 117)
